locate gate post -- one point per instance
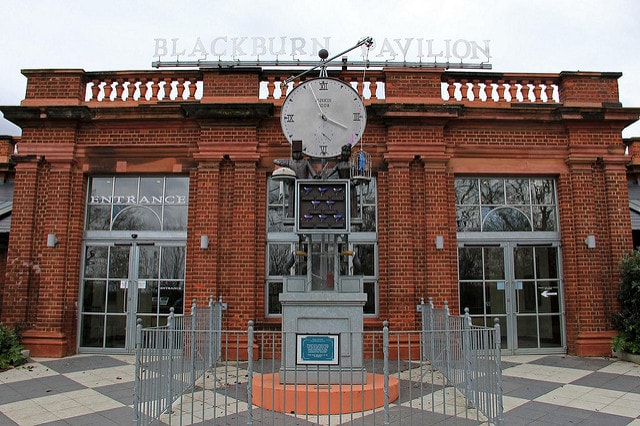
(385, 369)
(466, 345)
(171, 325)
(194, 311)
(498, 349)
(138, 378)
(447, 347)
(210, 345)
(250, 373)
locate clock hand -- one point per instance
(334, 122)
(324, 117)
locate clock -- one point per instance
(325, 114)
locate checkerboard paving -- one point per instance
(98, 390)
(83, 389)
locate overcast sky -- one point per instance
(525, 35)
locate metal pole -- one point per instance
(250, 373)
(385, 369)
(466, 345)
(498, 344)
(171, 325)
(211, 305)
(447, 347)
(138, 378)
(367, 40)
(194, 311)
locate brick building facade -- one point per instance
(504, 193)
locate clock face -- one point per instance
(325, 114)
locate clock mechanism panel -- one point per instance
(322, 206)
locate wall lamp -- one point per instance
(590, 241)
(439, 242)
(52, 240)
(204, 242)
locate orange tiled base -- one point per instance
(270, 394)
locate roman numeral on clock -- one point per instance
(289, 118)
(324, 85)
(357, 116)
(323, 149)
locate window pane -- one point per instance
(523, 263)
(470, 259)
(135, 218)
(175, 218)
(171, 296)
(544, 218)
(543, 191)
(518, 191)
(173, 263)
(548, 297)
(368, 219)
(466, 191)
(279, 257)
(151, 188)
(119, 262)
(546, 262)
(495, 298)
(93, 296)
(526, 296)
(370, 290)
(92, 331)
(274, 288)
(471, 296)
(366, 259)
(117, 295)
(179, 187)
(126, 187)
(98, 218)
(494, 263)
(550, 333)
(527, 332)
(95, 264)
(506, 219)
(148, 260)
(147, 297)
(101, 186)
(468, 219)
(492, 191)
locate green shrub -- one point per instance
(627, 321)
(10, 348)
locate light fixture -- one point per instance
(439, 242)
(204, 242)
(52, 240)
(590, 241)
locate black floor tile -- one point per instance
(44, 386)
(121, 392)
(526, 388)
(610, 381)
(580, 363)
(82, 363)
(6, 421)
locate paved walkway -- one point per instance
(538, 390)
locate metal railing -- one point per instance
(439, 375)
(468, 356)
(169, 359)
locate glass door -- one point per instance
(519, 284)
(126, 282)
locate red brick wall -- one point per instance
(417, 153)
